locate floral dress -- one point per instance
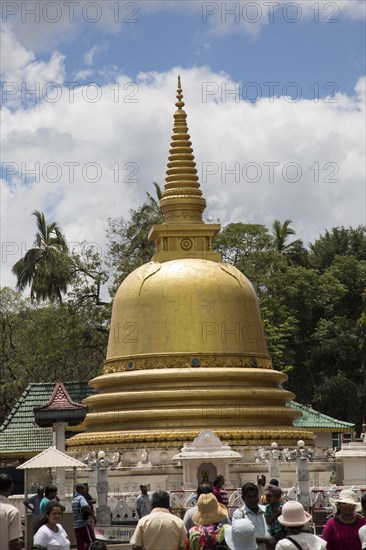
(196, 539)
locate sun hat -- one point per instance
(293, 514)
(347, 497)
(241, 535)
(209, 510)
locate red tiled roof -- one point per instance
(60, 400)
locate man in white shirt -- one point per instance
(159, 529)
(143, 503)
(256, 514)
(10, 524)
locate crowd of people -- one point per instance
(264, 522)
(46, 516)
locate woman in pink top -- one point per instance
(341, 532)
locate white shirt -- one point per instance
(307, 541)
(362, 535)
(51, 540)
(10, 524)
(258, 519)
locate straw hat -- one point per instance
(346, 497)
(293, 514)
(241, 535)
(209, 511)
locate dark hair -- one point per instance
(160, 499)
(363, 500)
(49, 507)
(98, 545)
(203, 489)
(5, 482)
(249, 486)
(50, 489)
(217, 481)
(274, 482)
(80, 487)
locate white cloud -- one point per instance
(89, 55)
(125, 135)
(22, 74)
(83, 75)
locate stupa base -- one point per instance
(111, 440)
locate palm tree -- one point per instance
(152, 207)
(280, 235)
(46, 267)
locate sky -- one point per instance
(274, 92)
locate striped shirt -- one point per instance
(79, 502)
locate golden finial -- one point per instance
(182, 200)
(183, 232)
(179, 103)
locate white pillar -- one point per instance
(58, 433)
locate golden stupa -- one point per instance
(186, 347)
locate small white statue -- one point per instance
(90, 461)
(144, 456)
(274, 461)
(115, 461)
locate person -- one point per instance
(296, 522)
(256, 514)
(202, 489)
(341, 531)
(218, 491)
(89, 499)
(273, 511)
(275, 482)
(88, 496)
(209, 529)
(241, 535)
(363, 505)
(143, 504)
(51, 535)
(261, 483)
(10, 523)
(50, 493)
(362, 531)
(84, 533)
(160, 529)
(223, 492)
(33, 504)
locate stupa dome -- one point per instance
(186, 312)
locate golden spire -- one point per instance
(182, 200)
(183, 234)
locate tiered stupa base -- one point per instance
(168, 407)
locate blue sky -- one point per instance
(305, 52)
(298, 74)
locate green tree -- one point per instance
(280, 234)
(46, 266)
(58, 341)
(339, 241)
(339, 397)
(129, 246)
